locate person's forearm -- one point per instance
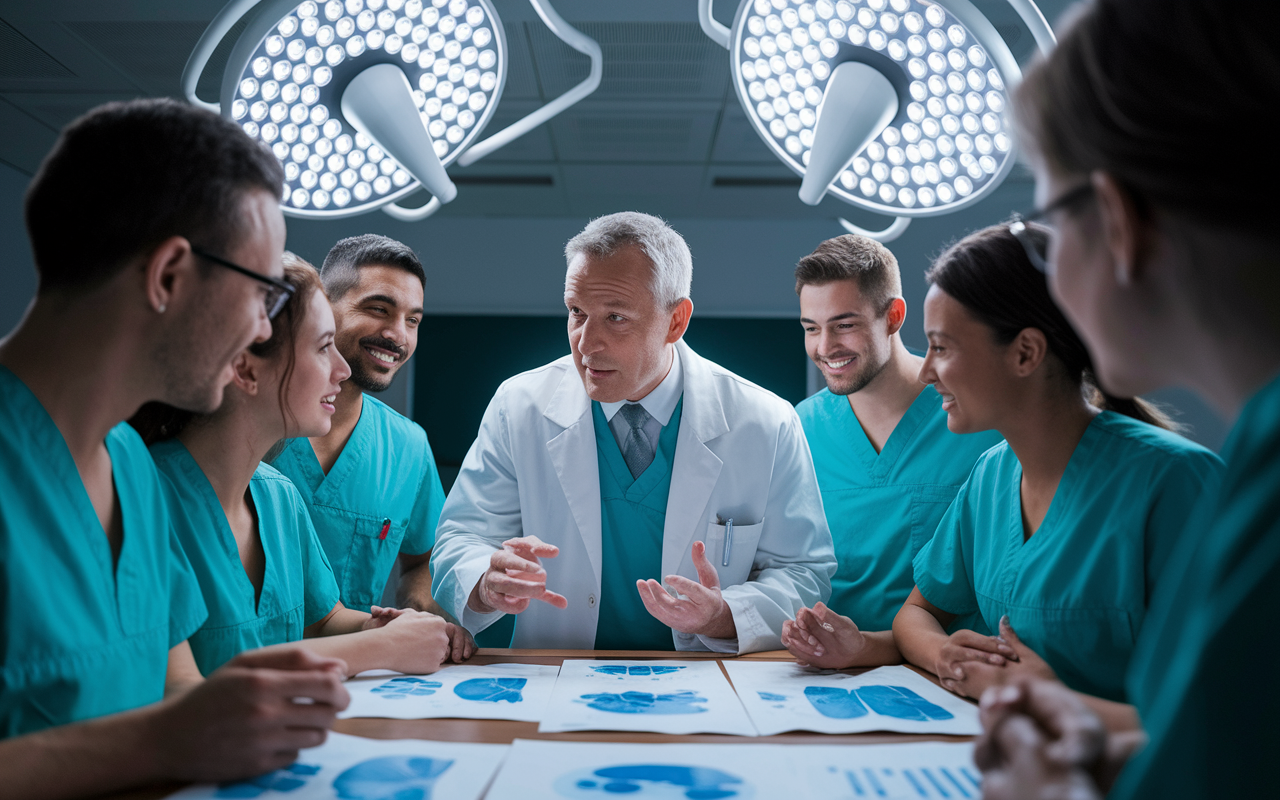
(361, 650)
(342, 621)
(96, 757)
(879, 649)
(1117, 717)
(414, 591)
(918, 636)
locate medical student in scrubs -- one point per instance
(1167, 264)
(157, 235)
(371, 482)
(887, 464)
(1063, 532)
(244, 526)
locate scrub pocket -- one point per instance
(742, 551)
(927, 509)
(370, 560)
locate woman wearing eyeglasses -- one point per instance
(242, 524)
(1062, 531)
(1167, 264)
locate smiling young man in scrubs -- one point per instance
(887, 465)
(157, 236)
(371, 483)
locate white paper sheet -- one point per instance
(354, 768)
(923, 771)
(467, 691)
(539, 770)
(675, 697)
(787, 697)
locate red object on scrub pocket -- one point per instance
(386, 528)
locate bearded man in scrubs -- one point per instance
(371, 483)
(157, 236)
(887, 465)
(629, 461)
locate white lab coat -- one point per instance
(533, 470)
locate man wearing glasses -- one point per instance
(157, 236)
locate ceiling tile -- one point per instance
(23, 59)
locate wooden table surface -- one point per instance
(498, 731)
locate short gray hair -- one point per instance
(665, 249)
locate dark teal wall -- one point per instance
(462, 359)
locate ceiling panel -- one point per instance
(25, 140)
(23, 59)
(522, 80)
(737, 141)
(635, 132)
(153, 53)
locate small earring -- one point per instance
(162, 308)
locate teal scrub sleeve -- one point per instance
(421, 534)
(320, 588)
(944, 566)
(1188, 481)
(187, 611)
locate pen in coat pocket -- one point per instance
(728, 541)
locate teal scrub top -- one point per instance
(1200, 676)
(381, 498)
(80, 638)
(883, 507)
(633, 515)
(1077, 591)
(298, 588)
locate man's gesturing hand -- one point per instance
(515, 577)
(700, 609)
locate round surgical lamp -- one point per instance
(366, 101)
(896, 106)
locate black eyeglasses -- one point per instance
(278, 291)
(1022, 233)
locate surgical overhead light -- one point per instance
(896, 106)
(365, 101)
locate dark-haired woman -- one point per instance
(1062, 531)
(1168, 263)
(244, 526)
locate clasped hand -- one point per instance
(970, 663)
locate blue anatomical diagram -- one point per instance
(770, 697)
(288, 779)
(890, 701)
(406, 686)
(831, 701)
(491, 690)
(646, 702)
(391, 778)
(900, 702)
(654, 781)
(623, 669)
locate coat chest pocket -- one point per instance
(732, 554)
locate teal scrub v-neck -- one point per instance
(633, 515)
(1200, 677)
(82, 637)
(298, 588)
(381, 498)
(883, 507)
(1077, 591)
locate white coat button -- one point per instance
(591, 601)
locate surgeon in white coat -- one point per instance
(630, 460)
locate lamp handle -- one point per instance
(578, 41)
(209, 41)
(887, 235)
(412, 214)
(715, 31)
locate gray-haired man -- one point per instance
(631, 459)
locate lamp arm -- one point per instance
(412, 214)
(887, 235)
(1035, 21)
(209, 41)
(578, 41)
(715, 31)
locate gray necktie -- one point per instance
(637, 450)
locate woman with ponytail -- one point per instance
(1051, 549)
(1161, 193)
